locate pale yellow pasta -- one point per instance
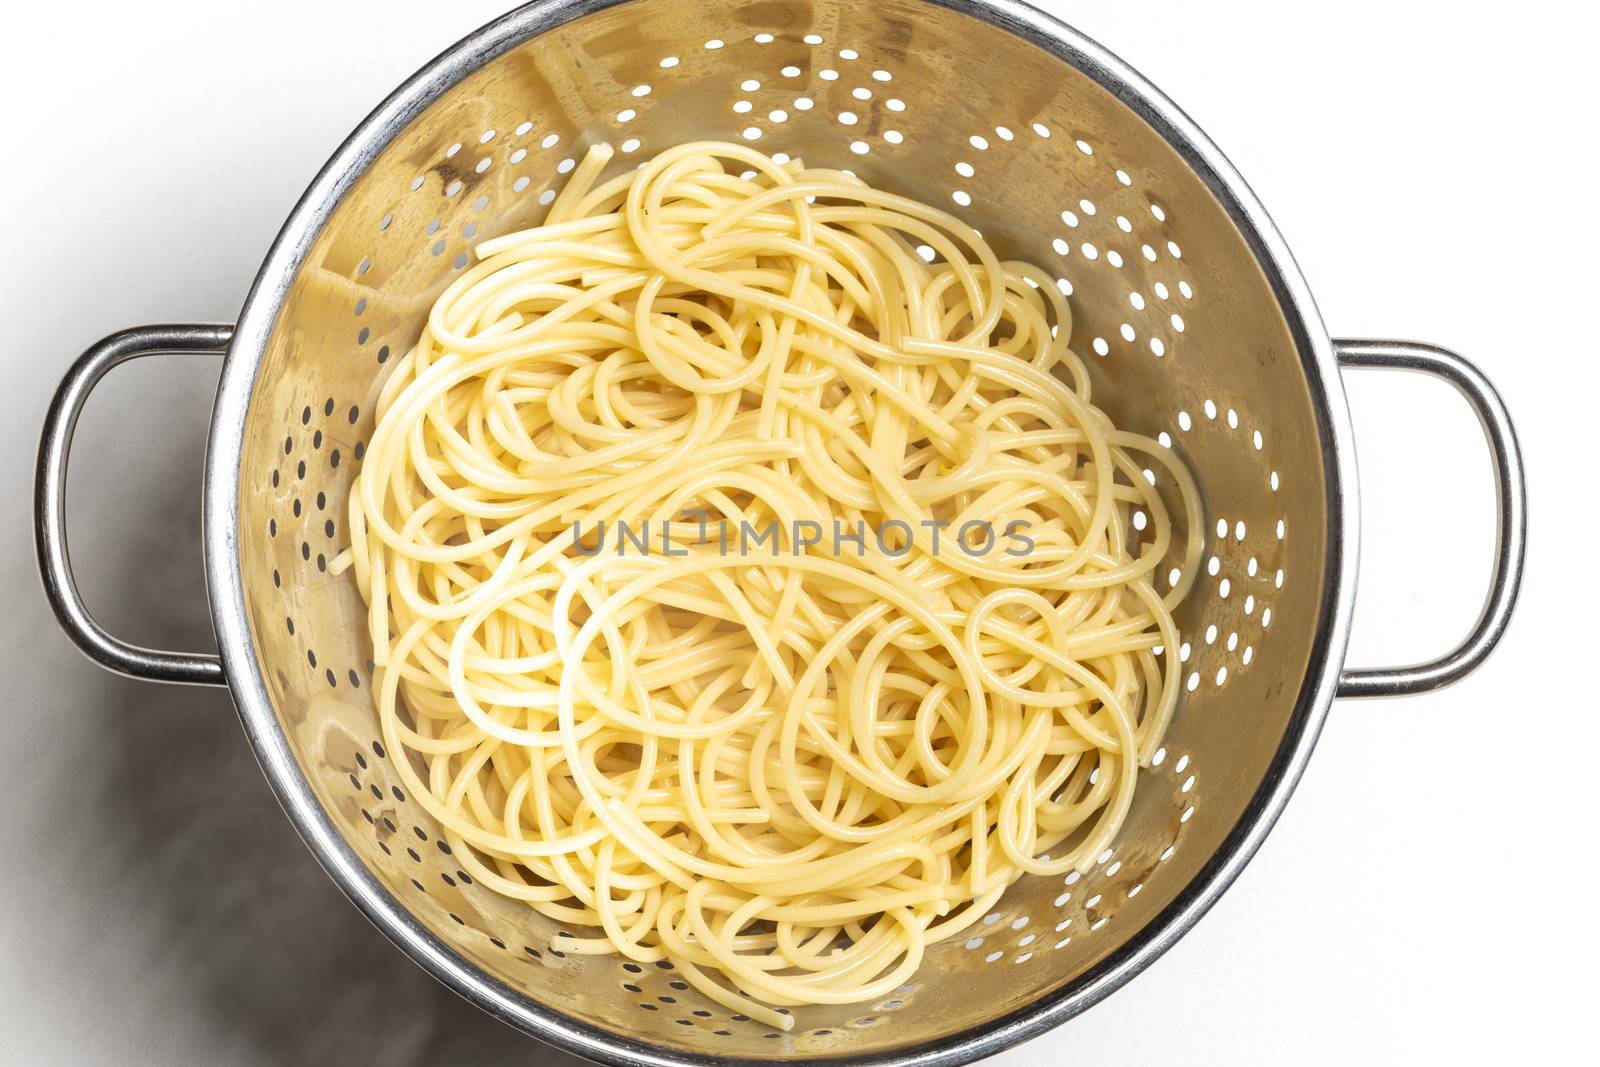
(894, 635)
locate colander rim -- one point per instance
(225, 578)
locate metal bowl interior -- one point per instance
(1192, 316)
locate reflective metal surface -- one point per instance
(1511, 515)
(50, 504)
(1187, 306)
(1119, 193)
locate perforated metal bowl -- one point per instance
(1197, 326)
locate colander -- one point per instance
(1195, 321)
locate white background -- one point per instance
(1427, 894)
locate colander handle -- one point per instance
(50, 504)
(1511, 514)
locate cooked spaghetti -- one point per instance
(753, 584)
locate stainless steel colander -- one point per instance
(1197, 326)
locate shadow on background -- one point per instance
(230, 906)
